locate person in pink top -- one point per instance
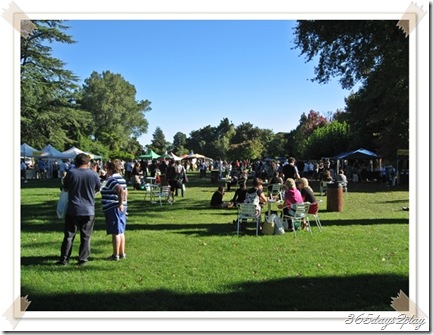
(291, 196)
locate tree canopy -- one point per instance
(375, 55)
(117, 116)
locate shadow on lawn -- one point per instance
(355, 293)
(205, 229)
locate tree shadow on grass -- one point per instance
(352, 293)
(362, 222)
(206, 228)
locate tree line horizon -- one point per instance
(103, 116)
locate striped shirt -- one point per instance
(109, 193)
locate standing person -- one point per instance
(290, 170)
(82, 184)
(202, 169)
(62, 169)
(172, 181)
(136, 172)
(180, 175)
(23, 170)
(42, 168)
(114, 204)
(128, 170)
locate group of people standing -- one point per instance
(82, 184)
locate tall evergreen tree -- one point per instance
(48, 109)
(159, 143)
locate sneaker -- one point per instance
(122, 256)
(64, 263)
(113, 258)
(82, 263)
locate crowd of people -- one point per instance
(83, 178)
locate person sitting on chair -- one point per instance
(276, 179)
(217, 199)
(291, 196)
(307, 194)
(240, 193)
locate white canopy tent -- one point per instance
(50, 152)
(52, 156)
(176, 158)
(74, 151)
(28, 151)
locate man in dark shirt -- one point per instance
(82, 183)
(290, 170)
(217, 199)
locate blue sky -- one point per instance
(197, 72)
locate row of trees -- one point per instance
(315, 137)
(103, 115)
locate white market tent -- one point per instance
(28, 151)
(50, 152)
(74, 151)
(50, 155)
(176, 158)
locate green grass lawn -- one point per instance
(187, 257)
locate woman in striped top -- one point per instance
(114, 203)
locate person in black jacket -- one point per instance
(240, 194)
(217, 199)
(290, 170)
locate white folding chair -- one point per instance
(164, 192)
(276, 190)
(248, 211)
(300, 215)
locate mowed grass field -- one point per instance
(187, 256)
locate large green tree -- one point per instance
(212, 141)
(375, 55)
(179, 143)
(117, 116)
(327, 141)
(49, 113)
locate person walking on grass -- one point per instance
(82, 184)
(114, 205)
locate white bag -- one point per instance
(276, 223)
(62, 205)
(279, 228)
